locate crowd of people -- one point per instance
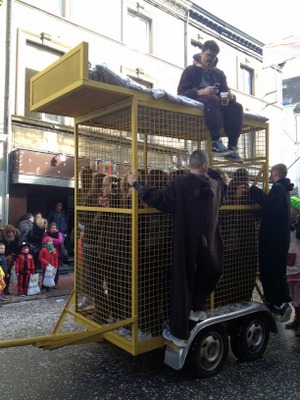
(30, 246)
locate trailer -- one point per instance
(124, 250)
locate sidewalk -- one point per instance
(65, 286)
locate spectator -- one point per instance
(85, 179)
(24, 267)
(25, 228)
(38, 215)
(4, 274)
(2, 284)
(59, 217)
(274, 240)
(38, 230)
(204, 82)
(48, 255)
(111, 192)
(157, 178)
(193, 200)
(293, 264)
(95, 191)
(10, 238)
(57, 238)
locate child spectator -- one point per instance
(4, 269)
(10, 238)
(24, 267)
(48, 255)
(58, 240)
(2, 285)
(293, 263)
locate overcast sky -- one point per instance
(265, 20)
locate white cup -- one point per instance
(224, 98)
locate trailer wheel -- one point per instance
(209, 351)
(250, 339)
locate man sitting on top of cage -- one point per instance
(194, 200)
(204, 82)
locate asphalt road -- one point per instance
(103, 371)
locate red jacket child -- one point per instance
(48, 254)
(24, 267)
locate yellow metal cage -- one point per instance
(126, 248)
(123, 248)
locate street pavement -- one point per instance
(102, 371)
(65, 286)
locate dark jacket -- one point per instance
(11, 246)
(191, 78)
(60, 219)
(3, 263)
(37, 234)
(274, 239)
(275, 224)
(194, 202)
(25, 228)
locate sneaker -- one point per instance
(234, 157)
(275, 309)
(286, 313)
(197, 316)
(178, 342)
(219, 148)
(293, 324)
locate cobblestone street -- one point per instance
(103, 371)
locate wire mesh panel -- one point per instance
(240, 232)
(154, 268)
(124, 248)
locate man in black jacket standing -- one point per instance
(204, 82)
(274, 240)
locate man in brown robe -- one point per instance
(194, 201)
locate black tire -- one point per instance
(250, 339)
(209, 351)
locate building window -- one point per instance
(246, 85)
(138, 32)
(38, 57)
(54, 6)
